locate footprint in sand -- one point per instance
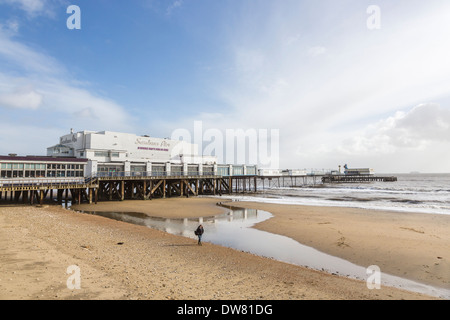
(412, 229)
(341, 243)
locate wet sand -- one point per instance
(165, 208)
(123, 261)
(409, 245)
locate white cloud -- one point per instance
(175, 5)
(291, 40)
(316, 51)
(34, 142)
(418, 139)
(11, 26)
(83, 107)
(275, 81)
(321, 78)
(31, 7)
(424, 124)
(21, 98)
(38, 83)
(25, 58)
(87, 113)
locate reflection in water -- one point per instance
(234, 230)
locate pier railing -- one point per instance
(152, 174)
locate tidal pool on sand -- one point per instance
(234, 230)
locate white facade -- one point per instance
(123, 152)
(360, 171)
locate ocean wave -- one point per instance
(401, 206)
(397, 190)
(417, 193)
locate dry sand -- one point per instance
(123, 261)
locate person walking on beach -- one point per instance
(199, 232)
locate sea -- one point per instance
(424, 193)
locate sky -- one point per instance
(363, 83)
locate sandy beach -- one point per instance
(124, 261)
(409, 245)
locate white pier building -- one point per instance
(131, 155)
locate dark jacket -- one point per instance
(199, 231)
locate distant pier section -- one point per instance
(357, 175)
(357, 178)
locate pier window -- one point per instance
(30, 170)
(34, 170)
(110, 170)
(193, 170)
(208, 170)
(6, 170)
(176, 170)
(30, 174)
(40, 170)
(223, 171)
(158, 170)
(6, 174)
(251, 171)
(73, 170)
(40, 174)
(137, 171)
(17, 174)
(101, 154)
(238, 170)
(17, 170)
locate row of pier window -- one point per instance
(36, 170)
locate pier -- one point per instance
(121, 186)
(124, 186)
(357, 178)
(89, 166)
(145, 186)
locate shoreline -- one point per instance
(38, 244)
